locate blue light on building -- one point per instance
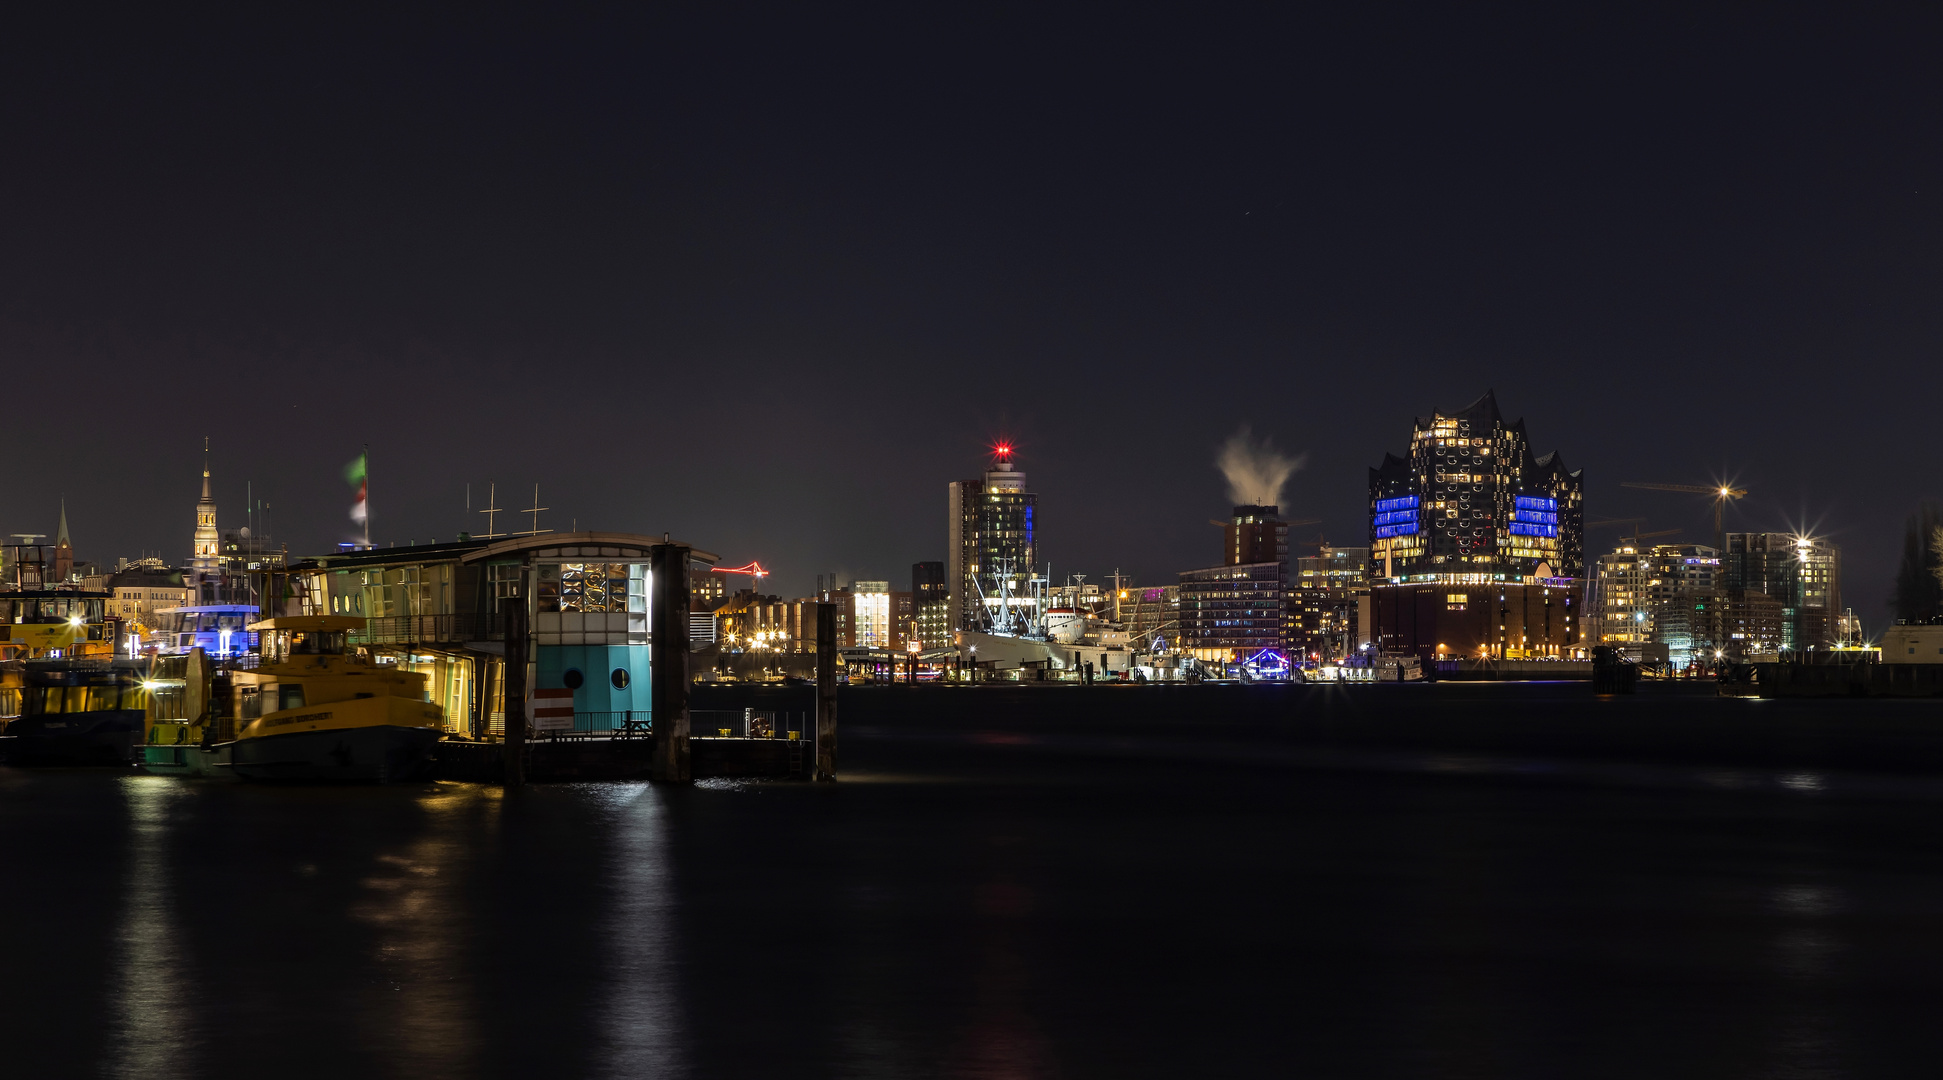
(1534, 516)
(1396, 517)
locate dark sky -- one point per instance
(770, 281)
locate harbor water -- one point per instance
(1475, 880)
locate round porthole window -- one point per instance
(619, 678)
(573, 678)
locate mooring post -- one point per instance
(668, 607)
(826, 692)
(514, 682)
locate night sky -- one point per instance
(770, 281)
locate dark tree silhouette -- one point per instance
(1919, 591)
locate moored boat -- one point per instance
(185, 700)
(77, 712)
(313, 710)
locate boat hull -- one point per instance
(112, 737)
(375, 753)
(188, 760)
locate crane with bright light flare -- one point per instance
(1722, 493)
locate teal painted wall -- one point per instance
(597, 664)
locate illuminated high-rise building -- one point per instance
(870, 614)
(1474, 542)
(992, 550)
(931, 605)
(1471, 499)
(1232, 612)
(1801, 573)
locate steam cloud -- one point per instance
(1256, 471)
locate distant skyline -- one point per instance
(770, 282)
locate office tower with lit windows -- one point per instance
(1232, 612)
(931, 605)
(1801, 573)
(992, 549)
(871, 614)
(1659, 604)
(1475, 542)
(1325, 590)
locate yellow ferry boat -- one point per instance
(312, 710)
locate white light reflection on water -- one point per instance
(153, 1025)
(414, 897)
(641, 1015)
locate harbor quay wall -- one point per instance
(1849, 680)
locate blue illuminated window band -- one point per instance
(1395, 517)
(1535, 516)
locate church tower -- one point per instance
(63, 548)
(207, 559)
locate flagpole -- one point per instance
(367, 496)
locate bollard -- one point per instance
(513, 749)
(668, 661)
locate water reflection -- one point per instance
(414, 896)
(641, 1012)
(1000, 1038)
(153, 1020)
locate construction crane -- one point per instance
(1632, 525)
(1722, 493)
(1291, 524)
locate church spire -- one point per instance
(63, 548)
(207, 559)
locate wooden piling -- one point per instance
(514, 746)
(826, 692)
(668, 607)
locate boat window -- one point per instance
(290, 696)
(252, 702)
(78, 699)
(317, 643)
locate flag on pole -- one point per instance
(354, 474)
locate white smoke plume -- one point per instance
(1255, 469)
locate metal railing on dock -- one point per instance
(746, 724)
(749, 724)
